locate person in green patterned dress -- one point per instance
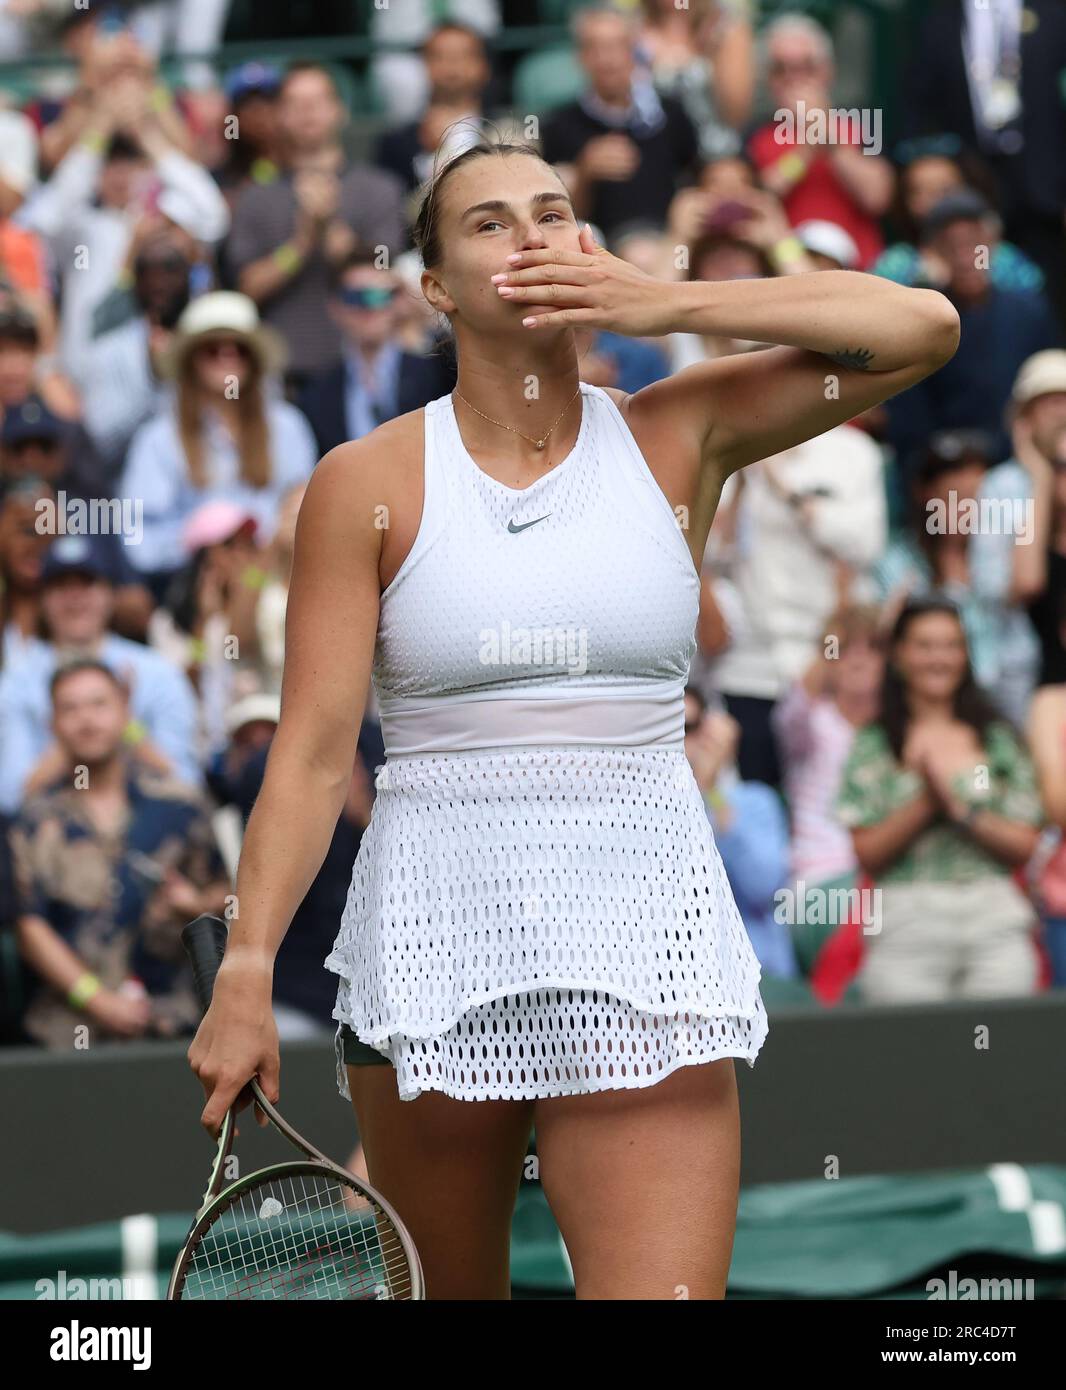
(941, 799)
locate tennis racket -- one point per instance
(297, 1230)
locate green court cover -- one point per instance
(991, 1233)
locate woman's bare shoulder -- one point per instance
(365, 496)
(384, 464)
(396, 444)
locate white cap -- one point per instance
(18, 151)
(828, 239)
(1040, 375)
(224, 311)
(251, 709)
(199, 219)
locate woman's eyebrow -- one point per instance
(498, 205)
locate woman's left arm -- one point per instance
(847, 341)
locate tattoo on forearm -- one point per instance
(858, 359)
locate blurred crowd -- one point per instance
(194, 307)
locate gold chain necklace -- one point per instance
(539, 443)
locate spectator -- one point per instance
(76, 603)
(1047, 744)
(155, 236)
(941, 800)
(704, 56)
(458, 68)
(109, 867)
(1000, 329)
(182, 27)
(24, 371)
(750, 830)
(402, 78)
(123, 386)
(620, 148)
(109, 59)
(235, 771)
(304, 995)
(222, 437)
(35, 443)
(223, 622)
(206, 625)
(289, 233)
(253, 148)
(747, 215)
(717, 255)
(815, 725)
(22, 549)
(52, 494)
(720, 181)
(939, 555)
(798, 535)
(837, 180)
(274, 595)
(11, 1004)
(991, 74)
(1039, 569)
(645, 245)
(123, 167)
(610, 359)
(376, 379)
(21, 252)
(828, 246)
(929, 171)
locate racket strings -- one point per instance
(306, 1236)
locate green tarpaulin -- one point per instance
(870, 1237)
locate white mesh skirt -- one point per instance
(543, 922)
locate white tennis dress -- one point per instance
(538, 907)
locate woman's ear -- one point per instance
(436, 295)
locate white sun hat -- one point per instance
(224, 313)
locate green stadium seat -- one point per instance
(350, 86)
(19, 88)
(558, 11)
(781, 993)
(822, 10)
(547, 79)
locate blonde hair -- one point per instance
(856, 622)
(253, 435)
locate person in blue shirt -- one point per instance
(225, 436)
(377, 377)
(1000, 329)
(77, 599)
(750, 830)
(108, 869)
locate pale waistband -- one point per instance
(461, 724)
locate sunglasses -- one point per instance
(225, 347)
(782, 67)
(45, 443)
(928, 147)
(171, 265)
(368, 297)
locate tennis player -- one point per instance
(539, 929)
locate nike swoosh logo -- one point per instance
(514, 530)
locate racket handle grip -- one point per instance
(205, 944)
